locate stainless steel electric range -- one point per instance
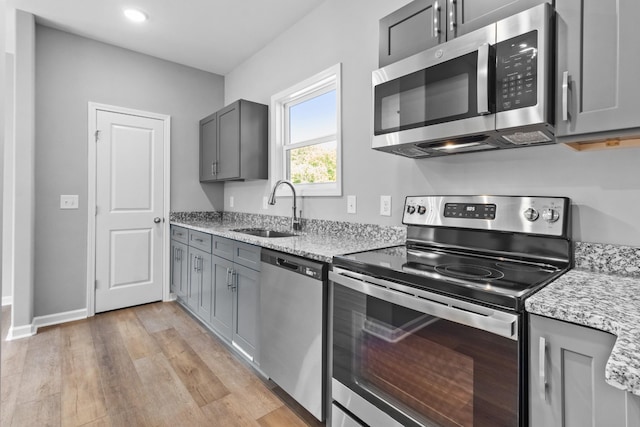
(432, 333)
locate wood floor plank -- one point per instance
(42, 369)
(82, 395)
(123, 391)
(203, 385)
(170, 401)
(281, 417)
(9, 388)
(150, 365)
(43, 412)
(227, 412)
(233, 374)
(136, 338)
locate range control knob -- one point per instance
(531, 214)
(550, 215)
(422, 210)
(411, 209)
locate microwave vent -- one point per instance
(411, 151)
(526, 138)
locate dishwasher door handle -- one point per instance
(286, 264)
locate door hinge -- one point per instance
(97, 134)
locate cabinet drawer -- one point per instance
(180, 234)
(247, 255)
(200, 240)
(223, 247)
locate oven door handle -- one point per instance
(458, 311)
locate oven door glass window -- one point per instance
(443, 93)
(422, 370)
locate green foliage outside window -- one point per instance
(313, 164)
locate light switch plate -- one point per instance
(385, 205)
(68, 201)
(351, 204)
(230, 201)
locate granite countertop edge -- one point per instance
(316, 246)
(607, 302)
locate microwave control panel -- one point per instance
(516, 72)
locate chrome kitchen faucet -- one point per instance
(295, 221)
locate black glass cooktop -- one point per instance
(489, 280)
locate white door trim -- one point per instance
(91, 197)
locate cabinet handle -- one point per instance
(234, 280)
(228, 281)
(565, 96)
(179, 254)
(543, 368)
(452, 15)
(215, 168)
(436, 20)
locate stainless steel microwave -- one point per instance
(485, 90)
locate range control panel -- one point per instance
(520, 214)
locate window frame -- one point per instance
(281, 102)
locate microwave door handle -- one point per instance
(483, 79)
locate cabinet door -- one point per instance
(205, 290)
(571, 359)
(195, 279)
(222, 299)
(598, 65)
(247, 295)
(208, 148)
(179, 269)
(411, 29)
(229, 142)
(464, 16)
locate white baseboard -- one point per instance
(41, 321)
(7, 300)
(57, 318)
(16, 333)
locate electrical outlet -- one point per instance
(68, 201)
(385, 205)
(265, 202)
(230, 201)
(351, 204)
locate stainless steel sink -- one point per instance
(263, 232)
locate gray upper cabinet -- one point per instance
(423, 24)
(566, 378)
(234, 143)
(597, 68)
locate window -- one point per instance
(306, 146)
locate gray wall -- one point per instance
(70, 72)
(604, 185)
(7, 133)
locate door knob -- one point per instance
(156, 220)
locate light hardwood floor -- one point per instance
(151, 365)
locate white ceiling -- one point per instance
(212, 35)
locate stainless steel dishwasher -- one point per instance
(293, 298)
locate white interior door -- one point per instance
(129, 230)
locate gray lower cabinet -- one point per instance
(179, 268)
(423, 24)
(566, 378)
(234, 143)
(598, 64)
(236, 289)
(200, 283)
(222, 313)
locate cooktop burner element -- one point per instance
(469, 271)
(497, 260)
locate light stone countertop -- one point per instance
(314, 245)
(602, 301)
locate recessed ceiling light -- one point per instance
(135, 15)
